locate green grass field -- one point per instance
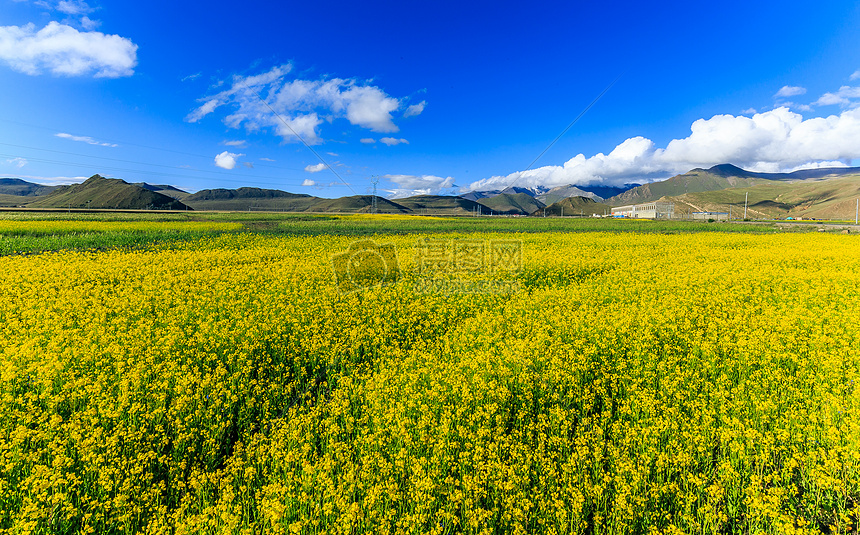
(43, 234)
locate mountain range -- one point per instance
(820, 193)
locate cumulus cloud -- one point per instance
(308, 182)
(790, 91)
(393, 141)
(855, 76)
(65, 51)
(367, 140)
(415, 109)
(844, 97)
(302, 104)
(226, 160)
(85, 139)
(772, 141)
(418, 185)
(235, 143)
(315, 168)
(749, 111)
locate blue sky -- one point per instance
(432, 97)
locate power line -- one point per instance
(126, 143)
(563, 132)
(101, 167)
(139, 163)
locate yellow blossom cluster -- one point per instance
(634, 383)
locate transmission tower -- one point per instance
(373, 180)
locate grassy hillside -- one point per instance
(718, 177)
(822, 198)
(110, 193)
(164, 189)
(357, 204)
(575, 206)
(16, 186)
(440, 205)
(14, 200)
(512, 204)
(694, 181)
(243, 199)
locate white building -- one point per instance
(653, 210)
(716, 216)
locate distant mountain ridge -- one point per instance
(574, 206)
(716, 178)
(22, 188)
(512, 204)
(806, 193)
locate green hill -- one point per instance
(357, 204)
(7, 201)
(106, 193)
(512, 204)
(575, 206)
(817, 198)
(440, 205)
(164, 189)
(22, 188)
(718, 177)
(241, 199)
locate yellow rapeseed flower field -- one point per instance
(630, 383)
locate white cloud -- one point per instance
(367, 140)
(315, 168)
(266, 160)
(249, 165)
(74, 7)
(54, 180)
(749, 111)
(393, 141)
(776, 140)
(85, 139)
(65, 51)
(226, 160)
(843, 97)
(303, 104)
(789, 91)
(191, 77)
(796, 106)
(18, 162)
(236, 143)
(89, 24)
(855, 76)
(415, 109)
(308, 182)
(418, 185)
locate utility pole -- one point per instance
(746, 198)
(374, 180)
